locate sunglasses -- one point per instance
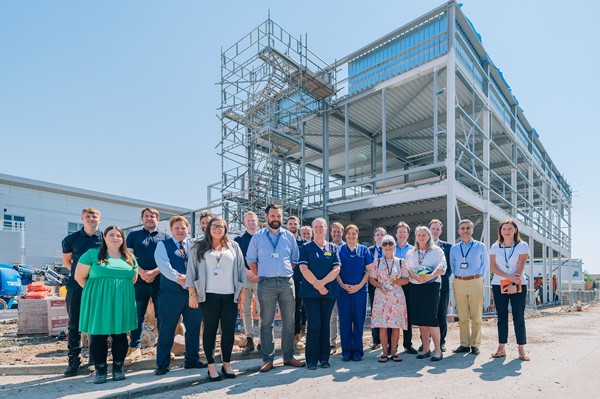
(387, 244)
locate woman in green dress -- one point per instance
(107, 275)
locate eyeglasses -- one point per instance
(387, 244)
(217, 227)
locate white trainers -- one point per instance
(133, 355)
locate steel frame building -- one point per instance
(370, 139)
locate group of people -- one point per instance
(314, 282)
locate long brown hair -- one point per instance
(206, 244)
(516, 237)
(103, 254)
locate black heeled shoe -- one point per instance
(213, 379)
(226, 374)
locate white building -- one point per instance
(37, 215)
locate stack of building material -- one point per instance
(42, 316)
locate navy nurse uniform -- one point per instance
(318, 308)
(352, 308)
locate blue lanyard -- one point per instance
(379, 251)
(276, 240)
(507, 259)
(469, 250)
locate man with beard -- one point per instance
(336, 231)
(272, 255)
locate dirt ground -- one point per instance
(37, 349)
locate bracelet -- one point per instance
(191, 295)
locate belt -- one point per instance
(468, 277)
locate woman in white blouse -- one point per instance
(216, 280)
(426, 263)
(507, 261)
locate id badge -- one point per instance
(464, 265)
(218, 271)
(328, 254)
(275, 255)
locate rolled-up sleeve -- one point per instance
(252, 253)
(164, 264)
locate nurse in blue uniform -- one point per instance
(320, 265)
(356, 262)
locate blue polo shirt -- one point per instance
(354, 263)
(401, 252)
(320, 262)
(77, 244)
(474, 253)
(264, 244)
(143, 243)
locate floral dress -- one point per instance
(389, 305)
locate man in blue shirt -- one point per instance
(272, 255)
(402, 247)
(469, 261)
(336, 231)
(73, 246)
(142, 244)
(171, 257)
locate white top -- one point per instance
(219, 272)
(433, 258)
(507, 259)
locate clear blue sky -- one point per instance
(121, 96)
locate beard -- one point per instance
(275, 224)
(292, 229)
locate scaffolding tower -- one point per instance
(270, 82)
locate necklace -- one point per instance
(421, 255)
(352, 253)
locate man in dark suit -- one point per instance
(435, 226)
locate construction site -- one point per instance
(418, 124)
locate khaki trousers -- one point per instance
(469, 305)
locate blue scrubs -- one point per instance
(352, 308)
(318, 307)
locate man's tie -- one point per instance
(182, 249)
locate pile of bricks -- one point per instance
(42, 316)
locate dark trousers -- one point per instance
(73, 301)
(172, 306)
(443, 315)
(143, 293)
(99, 347)
(352, 310)
(318, 314)
(374, 331)
(407, 334)
(299, 315)
(517, 303)
(218, 308)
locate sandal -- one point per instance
(524, 358)
(383, 359)
(498, 355)
(396, 358)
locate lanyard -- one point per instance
(507, 259)
(379, 251)
(388, 267)
(469, 250)
(351, 252)
(276, 240)
(421, 256)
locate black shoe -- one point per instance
(475, 350)
(249, 346)
(443, 347)
(311, 366)
(226, 374)
(213, 379)
(325, 365)
(100, 373)
(73, 368)
(462, 349)
(420, 348)
(424, 355)
(346, 358)
(197, 365)
(436, 358)
(161, 371)
(410, 350)
(117, 371)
